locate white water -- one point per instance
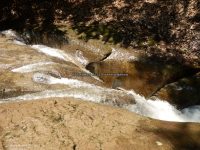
(78, 59)
(31, 67)
(57, 93)
(47, 79)
(73, 83)
(162, 110)
(16, 38)
(10, 33)
(157, 109)
(53, 52)
(62, 55)
(18, 42)
(74, 88)
(79, 56)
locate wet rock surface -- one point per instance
(27, 70)
(144, 76)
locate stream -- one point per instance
(45, 74)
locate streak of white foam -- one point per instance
(94, 97)
(52, 52)
(75, 89)
(31, 67)
(79, 56)
(18, 42)
(4, 66)
(10, 33)
(162, 110)
(61, 55)
(13, 34)
(157, 109)
(78, 60)
(46, 79)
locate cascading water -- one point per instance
(31, 67)
(162, 110)
(157, 109)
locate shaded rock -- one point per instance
(183, 93)
(93, 50)
(140, 74)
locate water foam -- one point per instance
(31, 67)
(73, 83)
(162, 110)
(52, 52)
(157, 109)
(78, 60)
(10, 33)
(13, 34)
(62, 55)
(75, 89)
(79, 56)
(57, 93)
(18, 42)
(47, 79)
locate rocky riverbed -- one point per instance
(57, 80)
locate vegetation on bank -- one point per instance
(164, 29)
